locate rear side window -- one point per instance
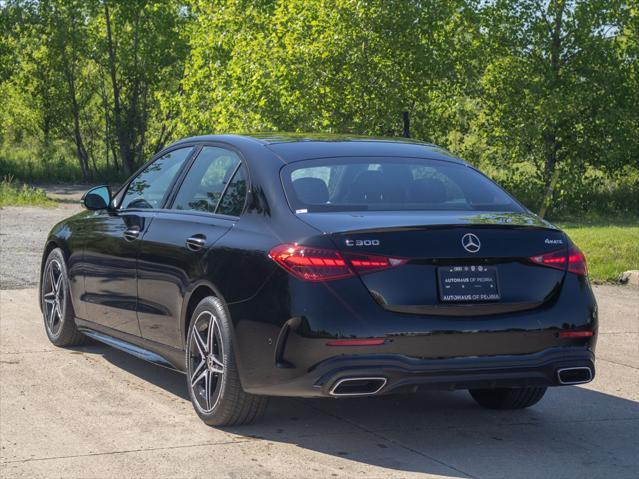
(148, 189)
(232, 203)
(206, 180)
(391, 184)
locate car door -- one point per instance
(112, 246)
(176, 250)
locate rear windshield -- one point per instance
(390, 184)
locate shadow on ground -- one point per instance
(443, 432)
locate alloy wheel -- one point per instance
(206, 368)
(53, 297)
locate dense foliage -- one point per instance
(541, 94)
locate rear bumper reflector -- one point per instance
(355, 342)
(576, 334)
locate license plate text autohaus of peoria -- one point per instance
(468, 283)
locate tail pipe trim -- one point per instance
(578, 375)
(364, 386)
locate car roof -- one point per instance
(292, 147)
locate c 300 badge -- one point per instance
(363, 242)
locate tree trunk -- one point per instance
(107, 127)
(551, 143)
(550, 173)
(120, 127)
(81, 151)
(162, 138)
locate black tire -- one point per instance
(505, 398)
(57, 310)
(212, 378)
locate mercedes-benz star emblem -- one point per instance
(471, 243)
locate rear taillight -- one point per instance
(554, 259)
(572, 260)
(311, 264)
(322, 264)
(577, 261)
(368, 263)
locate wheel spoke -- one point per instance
(210, 339)
(51, 279)
(207, 389)
(58, 312)
(199, 342)
(58, 284)
(213, 381)
(217, 361)
(199, 373)
(51, 316)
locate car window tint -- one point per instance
(232, 202)
(148, 189)
(391, 184)
(206, 180)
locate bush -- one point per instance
(57, 164)
(15, 194)
(590, 197)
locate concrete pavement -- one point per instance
(97, 412)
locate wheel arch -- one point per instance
(192, 298)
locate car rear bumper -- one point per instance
(285, 346)
(393, 373)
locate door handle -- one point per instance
(132, 233)
(196, 242)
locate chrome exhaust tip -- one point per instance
(577, 375)
(366, 386)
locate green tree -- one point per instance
(98, 75)
(33, 108)
(66, 26)
(628, 134)
(336, 65)
(552, 92)
(140, 49)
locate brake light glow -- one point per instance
(323, 264)
(572, 260)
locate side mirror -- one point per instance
(98, 198)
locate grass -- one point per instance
(31, 165)
(16, 194)
(610, 249)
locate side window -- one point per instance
(206, 180)
(148, 189)
(232, 202)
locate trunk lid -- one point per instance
(499, 246)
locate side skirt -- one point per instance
(150, 351)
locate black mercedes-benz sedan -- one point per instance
(289, 265)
